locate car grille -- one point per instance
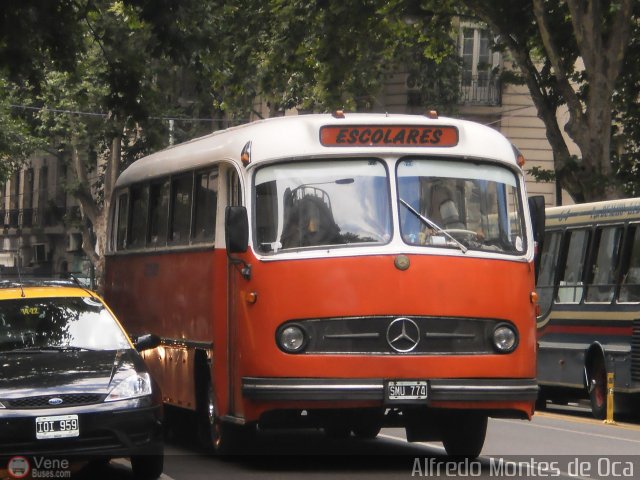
(42, 401)
(635, 351)
(385, 335)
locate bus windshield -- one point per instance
(461, 205)
(322, 203)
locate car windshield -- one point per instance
(322, 203)
(462, 205)
(58, 323)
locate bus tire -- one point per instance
(464, 436)
(218, 437)
(367, 431)
(597, 387)
(147, 467)
(337, 432)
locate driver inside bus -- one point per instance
(443, 209)
(310, 223)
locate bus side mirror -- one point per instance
(538, 220)
(236, 225)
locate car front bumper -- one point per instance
(105, 431)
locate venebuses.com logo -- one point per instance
(38, 467)
(18, 467)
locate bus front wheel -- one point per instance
(217, 436)
(464, 436)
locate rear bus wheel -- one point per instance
(598, 389)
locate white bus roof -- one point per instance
(297, 136)
(594, 213)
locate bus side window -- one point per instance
(181, 193)
(546, 277)
(123, 221)
(158, 213)
(138, 223)
(570, 281)
(205, 206)
(602, 281)
(630, 288)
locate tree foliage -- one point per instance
(570, 54)
(100, 78)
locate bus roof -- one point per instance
(298, 136)
(595, 212)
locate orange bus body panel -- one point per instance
(184, 296)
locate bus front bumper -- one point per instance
(338, 389)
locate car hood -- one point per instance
(42, 373)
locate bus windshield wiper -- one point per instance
(435, 226)
(46, 348)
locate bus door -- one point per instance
(233, 197)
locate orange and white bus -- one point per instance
(345, 271)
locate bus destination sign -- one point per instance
(388, 135)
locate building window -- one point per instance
(479, 84)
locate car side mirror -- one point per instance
(147, 342)
(236, 225)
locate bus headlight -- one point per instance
(505, 338)
(292, 338)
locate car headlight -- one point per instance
(136, 385)
(292, 338)
(1, 405)
(505, 338)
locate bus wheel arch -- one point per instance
(595, 376)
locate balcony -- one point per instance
(482, 90)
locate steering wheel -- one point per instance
(461, 231)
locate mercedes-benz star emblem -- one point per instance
(403, 335)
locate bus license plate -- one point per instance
(403, 390)
(60, 426)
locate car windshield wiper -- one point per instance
(435, 226)
(46, 348)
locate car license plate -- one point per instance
(60, 426)
(407, 390)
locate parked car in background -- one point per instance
(72, 383)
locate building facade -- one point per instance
(40, 232)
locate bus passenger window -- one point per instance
(205, 203)
(181, 189)
(548, 263)
(158, 213)
(138, 224)
(571, 284)
(123, 219)
(603, 275)
(630, 288)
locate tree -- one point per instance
(320, 56)
(569, 53)
(104, 82)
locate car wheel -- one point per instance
(464, 437)
(147, 467)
